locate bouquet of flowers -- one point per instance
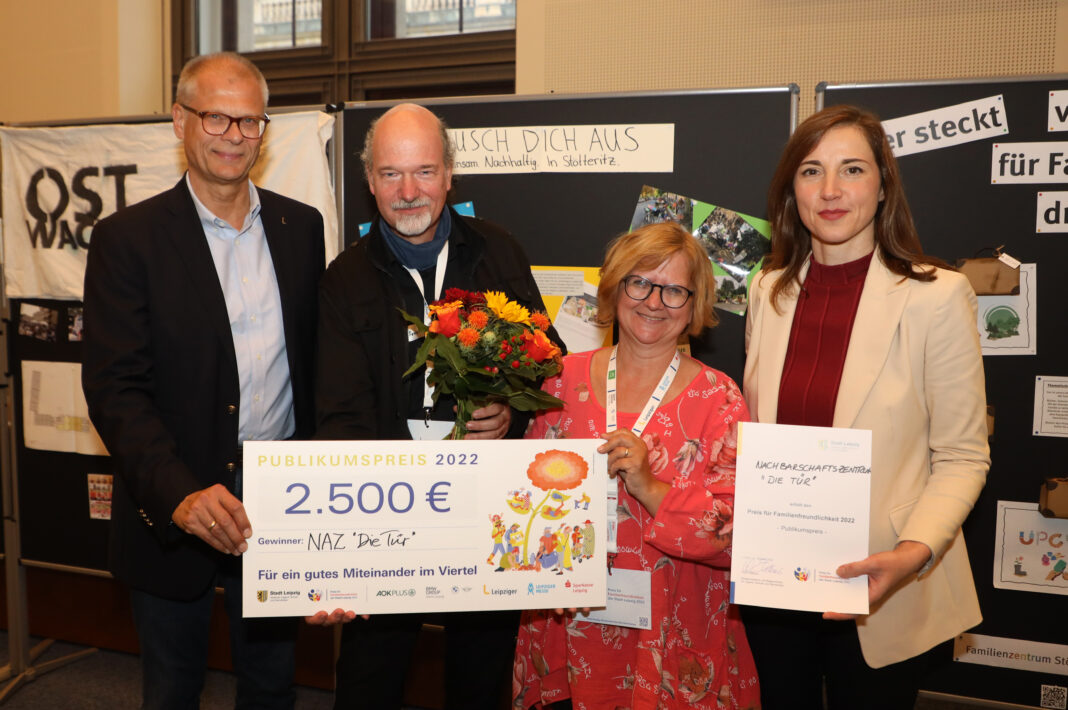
(480, 348)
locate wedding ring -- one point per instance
(626, 453)
(212, 526)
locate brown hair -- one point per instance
(895, 234)
(646, 248)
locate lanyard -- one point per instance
(439, 281)
(639, 426)
(654, 398)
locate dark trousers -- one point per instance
(375, 653)
(797, 654)
(174, 650)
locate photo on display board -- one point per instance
(656, 205)
(100, 487)
(736, 243)
(74, 324)
(38, 322)
(570, 296)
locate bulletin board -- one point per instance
(63, 519)
(981, 160)
(725, 148)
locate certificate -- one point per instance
(801, 509)
(410, 526)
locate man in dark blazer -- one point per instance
(200, 314)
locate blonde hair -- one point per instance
(187, 80)
(646, 248)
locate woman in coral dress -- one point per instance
(670, 429)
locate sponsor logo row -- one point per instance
(267, 596)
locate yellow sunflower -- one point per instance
(505, 309)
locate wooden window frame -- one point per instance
(347, 67)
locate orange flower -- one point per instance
(538, 347)
(557, 470)
(468, 337)
(446, 320)
(540, 320)
(477, 319)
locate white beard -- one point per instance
(415, 224)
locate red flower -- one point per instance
(469, 298)
(446, 319)
(538, 347)
(540, 320)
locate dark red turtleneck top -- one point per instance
(819, 338)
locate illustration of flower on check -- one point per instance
(560, 544)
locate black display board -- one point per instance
(726, 146)
(54, 522)
(958, 211)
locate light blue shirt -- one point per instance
(250, 287)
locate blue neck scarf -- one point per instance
(418, 256)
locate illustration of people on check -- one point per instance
(558, 512)
(584, 501)
(547, 556)
(588, 540)
(576, 544)
(520, 501)
(563, 543)
(498, 538)
(512, 539)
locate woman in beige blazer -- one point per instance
(851, 325)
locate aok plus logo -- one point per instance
(48, 196)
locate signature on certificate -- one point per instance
(760, 565)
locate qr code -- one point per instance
(1054, 696)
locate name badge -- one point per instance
(629, 600)
(433, 430)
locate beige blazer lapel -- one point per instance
(881, 304)
(771, 346)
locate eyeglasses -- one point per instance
(671, 295)
(216, 124)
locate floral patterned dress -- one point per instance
(695, 655)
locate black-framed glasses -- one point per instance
(216, 124)
(671, 295)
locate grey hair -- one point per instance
(187, 80)
(367, 155)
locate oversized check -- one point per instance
(406, 526)
(801, 508)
